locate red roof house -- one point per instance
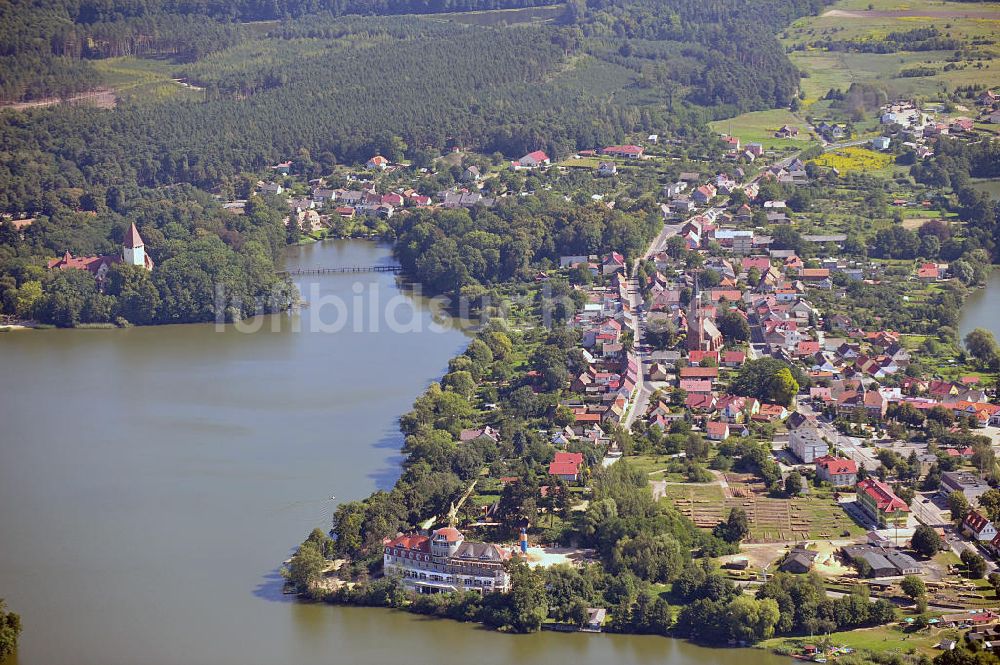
(566, 466)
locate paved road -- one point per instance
(642, 390)
(863, 457)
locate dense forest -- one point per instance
(459, 251)
(301, 87)
(197, 247)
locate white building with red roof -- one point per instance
(445, 561)
(532, 160)
(978, 526)
(717, 431)
(837, 471)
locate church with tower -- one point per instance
(133, 253)
(702, 333)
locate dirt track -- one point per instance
(102, 98)
(910, 13)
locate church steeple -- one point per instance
(134, 249)
(694, 318)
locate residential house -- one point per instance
(567, 466)
(928, 272)
(623, 151)
(704, 194)
(479, 434)
(717, 431)
(671, 191)
(532, 160)
(377, 163)
(837, 471)
(682, 204)
(880, 143)
(612, 263)
(978, 527)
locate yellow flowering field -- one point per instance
(854, 158)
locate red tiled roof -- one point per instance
(836, 465)
(885, 499)
(696, 356)
(699, 372)
(700, 401)
(622, 150)
(410, 541)
(696, 386)
(451, 534)
(717, 428)
(976, 521)
(92, 263)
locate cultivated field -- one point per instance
(771, 520)
(975, 24)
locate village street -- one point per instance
(642, 390)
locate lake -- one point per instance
(152, 480)
(982, 308)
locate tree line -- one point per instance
(210, 264)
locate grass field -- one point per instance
(881, 639)
(759, 127)
(141, 78)
(852, 19)
(580, 163)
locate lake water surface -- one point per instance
(152, 479)
(982, 308)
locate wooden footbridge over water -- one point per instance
(341, 269)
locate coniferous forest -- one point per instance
(337, 82)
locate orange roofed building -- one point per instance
(445, 561)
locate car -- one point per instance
(926, 501)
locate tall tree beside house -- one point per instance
(975, 564)
(793, 483)
(926, 541)
(523, 609)
(983, 347)
(990, 502)
(958, 505)
(733, 326)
